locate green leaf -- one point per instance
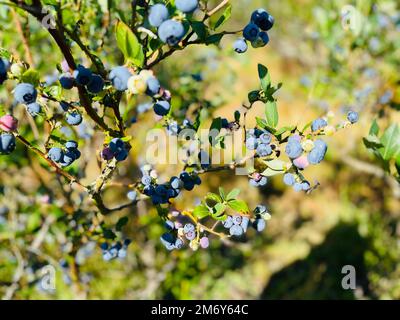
(253, 96)
(31, 76)
(374, 130)
(276, 164)
(391, 142)
(239, 206)
(222, 19)
(121, 222)
(284, 129)
(128, 43)
(219, 211)
(271, 112)
(214, 39)
(372, 142)
(201, 211)
(233, 194)
(222, 193)
(212, 199)
(215, 125)
(264, 76)
(264, 125)
(270, 172)
(200, 29)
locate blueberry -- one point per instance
(116, 145)
(184, 176)
(251, 143)
(228, 222)
(251, 32)
(71, 144)
(188, 185)
(293, 149)
(168, 241)
(158, 14)
(237, 219)
(264, 150)
(196, 180)
(190, 235)
(82, 75)
(121, 155)
(104, 246)
(161, 190)
(260, 209)
(96, 84)
(7, 143)
(265, 138)
(245, 223)
(236, 230)
(259, 224)
(188, 227)
(240, 45)
(171, 32)
(67, 81)
(261, 41)
(153, 86)
(262, 19)
(318, 124)
(146, 180)
(162, 108)
(169, 225)
(148, 190)
(122, 253)
(263, 181)
(204, 242)
(289, 179)
(132, 195)
(178, 243)
(316, 155)
(173, 128)
(74, 118)
(187, 6)
(25, 93)
(119, 77)
(67, 159)
(107, 154)
(175, 182)
(64, 106)
(33, 109)
(305, 185)
(352, 116)
(55, 154)
(297, 187)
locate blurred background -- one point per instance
(352, 218)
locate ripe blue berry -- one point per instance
(289, 179)
(317, 154)
(74, 118)
(236, 230)
(251, 32)
(171, 32)
(168, 240)
(121, 155)
(262, 19)
(71, 144)
(240, 45)
(153, 86)
(237, 219)
(119, 77)
(82, 75)
(264, 150)
(228, 222)
(318, 124)
(188, 227)
(178, 244)
(187, 6)
(245, 223)
(146, 180)
(7, 143)
(132, 195)
(158, 14)
(169, 225)
(175, 182)
(96, 84)
(67, 159)
(251, 143)
(25, 93)
(293, 149)
(116, 145)
(259, 224)
(67, 81)
(55, 154)
(162, 108)
(297, 187)
(190, 235)
(260, 209)
(33, 109)
(352, 116)
(4, 66)
(305, 185)
(265, 138)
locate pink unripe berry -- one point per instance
(204, 242)
(301, 162)
(8, 123)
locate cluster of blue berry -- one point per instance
(162, 193)
(259, 140)
(118, 250)
(115, 149)
(82, 76)
(178, 232)
(256, 31)
(170, 31)
(65, 156)
(25, 93)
